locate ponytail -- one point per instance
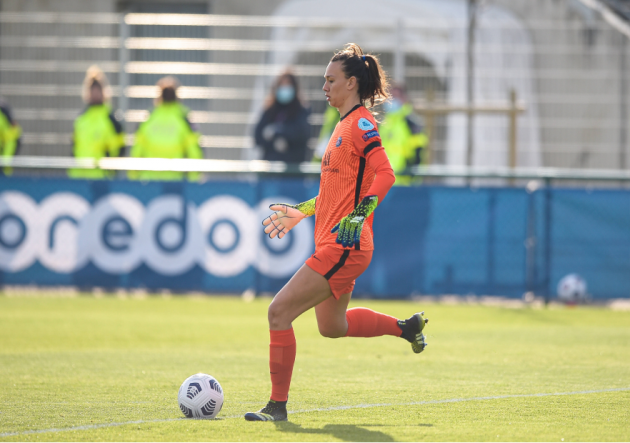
(366, 68)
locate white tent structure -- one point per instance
(436, 30)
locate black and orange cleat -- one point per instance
(274, 411)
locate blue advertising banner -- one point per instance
(208, 237)
(180, 236)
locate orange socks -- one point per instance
(363, 322)
(281, 360)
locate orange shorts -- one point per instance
(340, 267)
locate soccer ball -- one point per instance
(572, 289)
(200, 396)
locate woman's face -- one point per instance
(336, 86)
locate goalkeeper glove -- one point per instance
(350, 227)
(286, 217)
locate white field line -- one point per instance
(332, 408)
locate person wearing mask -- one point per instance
(167, 133)
(97, 133)
(10, 133)
(402, 134)
(283, 129)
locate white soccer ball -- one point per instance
(572, 289)
(200, 396)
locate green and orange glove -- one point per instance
(286, 216)
(350, 227)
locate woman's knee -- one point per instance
(277, 316)
(333, 330)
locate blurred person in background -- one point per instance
(283, 130)
(403, 135)
(331, 118)
(97, 133)
(167, 133)
(10, 133)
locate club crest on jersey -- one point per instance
(338, 142)
(369, 135)
(365, 124)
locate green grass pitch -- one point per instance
(108, 369)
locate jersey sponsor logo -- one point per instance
(326, 163)
(365, 124)
(369, 135)
(338, 142)
(326, 160)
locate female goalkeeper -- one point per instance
(356, 176)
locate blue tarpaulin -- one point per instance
(208, 237)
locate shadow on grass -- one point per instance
(342, 432)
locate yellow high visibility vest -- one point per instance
(9, 135)
(166, 134)
(97, 134)
(401, 137)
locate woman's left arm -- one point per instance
(350, 227)
(385, 177)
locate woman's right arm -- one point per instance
(286, 216)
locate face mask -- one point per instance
(285, 94)
(393, 105)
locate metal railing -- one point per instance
(430, 110)
(546, 175)
(567, 73)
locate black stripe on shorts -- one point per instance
(340, 263)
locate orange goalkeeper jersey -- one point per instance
(346, 176)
